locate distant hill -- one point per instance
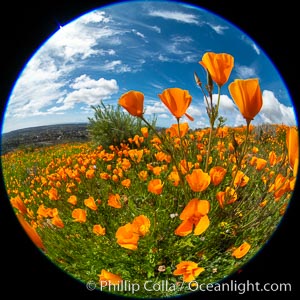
(44, 136)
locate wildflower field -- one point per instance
(177, 205)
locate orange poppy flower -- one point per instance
(90, 203)
(240, 179)
(292, 142)
(79, 215)
(72, 199)
(17, 203)
(198, 180)
(127, 237)
(90, 174)
(174, 178)
(31, 232)
(217, 175)
(227, 197)
(53, 194)
(144, 131)
(126, 182)
(177, 101)
(189, 270)
(98, 229)
(107, 278)
(218, 65)
(133, 102)
(114, 200)
(242, 250)
(194, 214)
(57, 221)
(247, 96)
(173, 130)
(155, 186)
(141, 224)
(143, 175)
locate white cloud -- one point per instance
(88, 91)
(115, 66)
(94, 17)
(139, 34)
(251, 43)
(219, 29)
(275, 112)
(175, 15)
(155, 108)
(245, 72)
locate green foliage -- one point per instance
(113, 126)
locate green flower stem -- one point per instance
(240, 159)
(212, 118)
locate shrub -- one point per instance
(113, 126)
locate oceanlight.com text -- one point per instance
(127, 286)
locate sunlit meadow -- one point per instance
(176, 205)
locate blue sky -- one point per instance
(146, 46)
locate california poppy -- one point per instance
(217, 174)
(90, 203)
(242, 250)
(247, 96)
(107, 278)
(189, 270)
(79, 215)
(98, 229)
(127, 237)
(177, 101)
(17, 203)
(133, 102)
(198, 180)
(141, 224)
(218, 65)
(292, 142)
(31, 232)
(114, 200)
(194, 214)
(155, 186)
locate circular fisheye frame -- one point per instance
(149, 149)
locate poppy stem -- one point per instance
(240, 159)
(214, 111)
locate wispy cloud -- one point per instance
(251, 43)
(219, 29)
(244, 72)
(175, 16)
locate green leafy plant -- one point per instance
(112, 126)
